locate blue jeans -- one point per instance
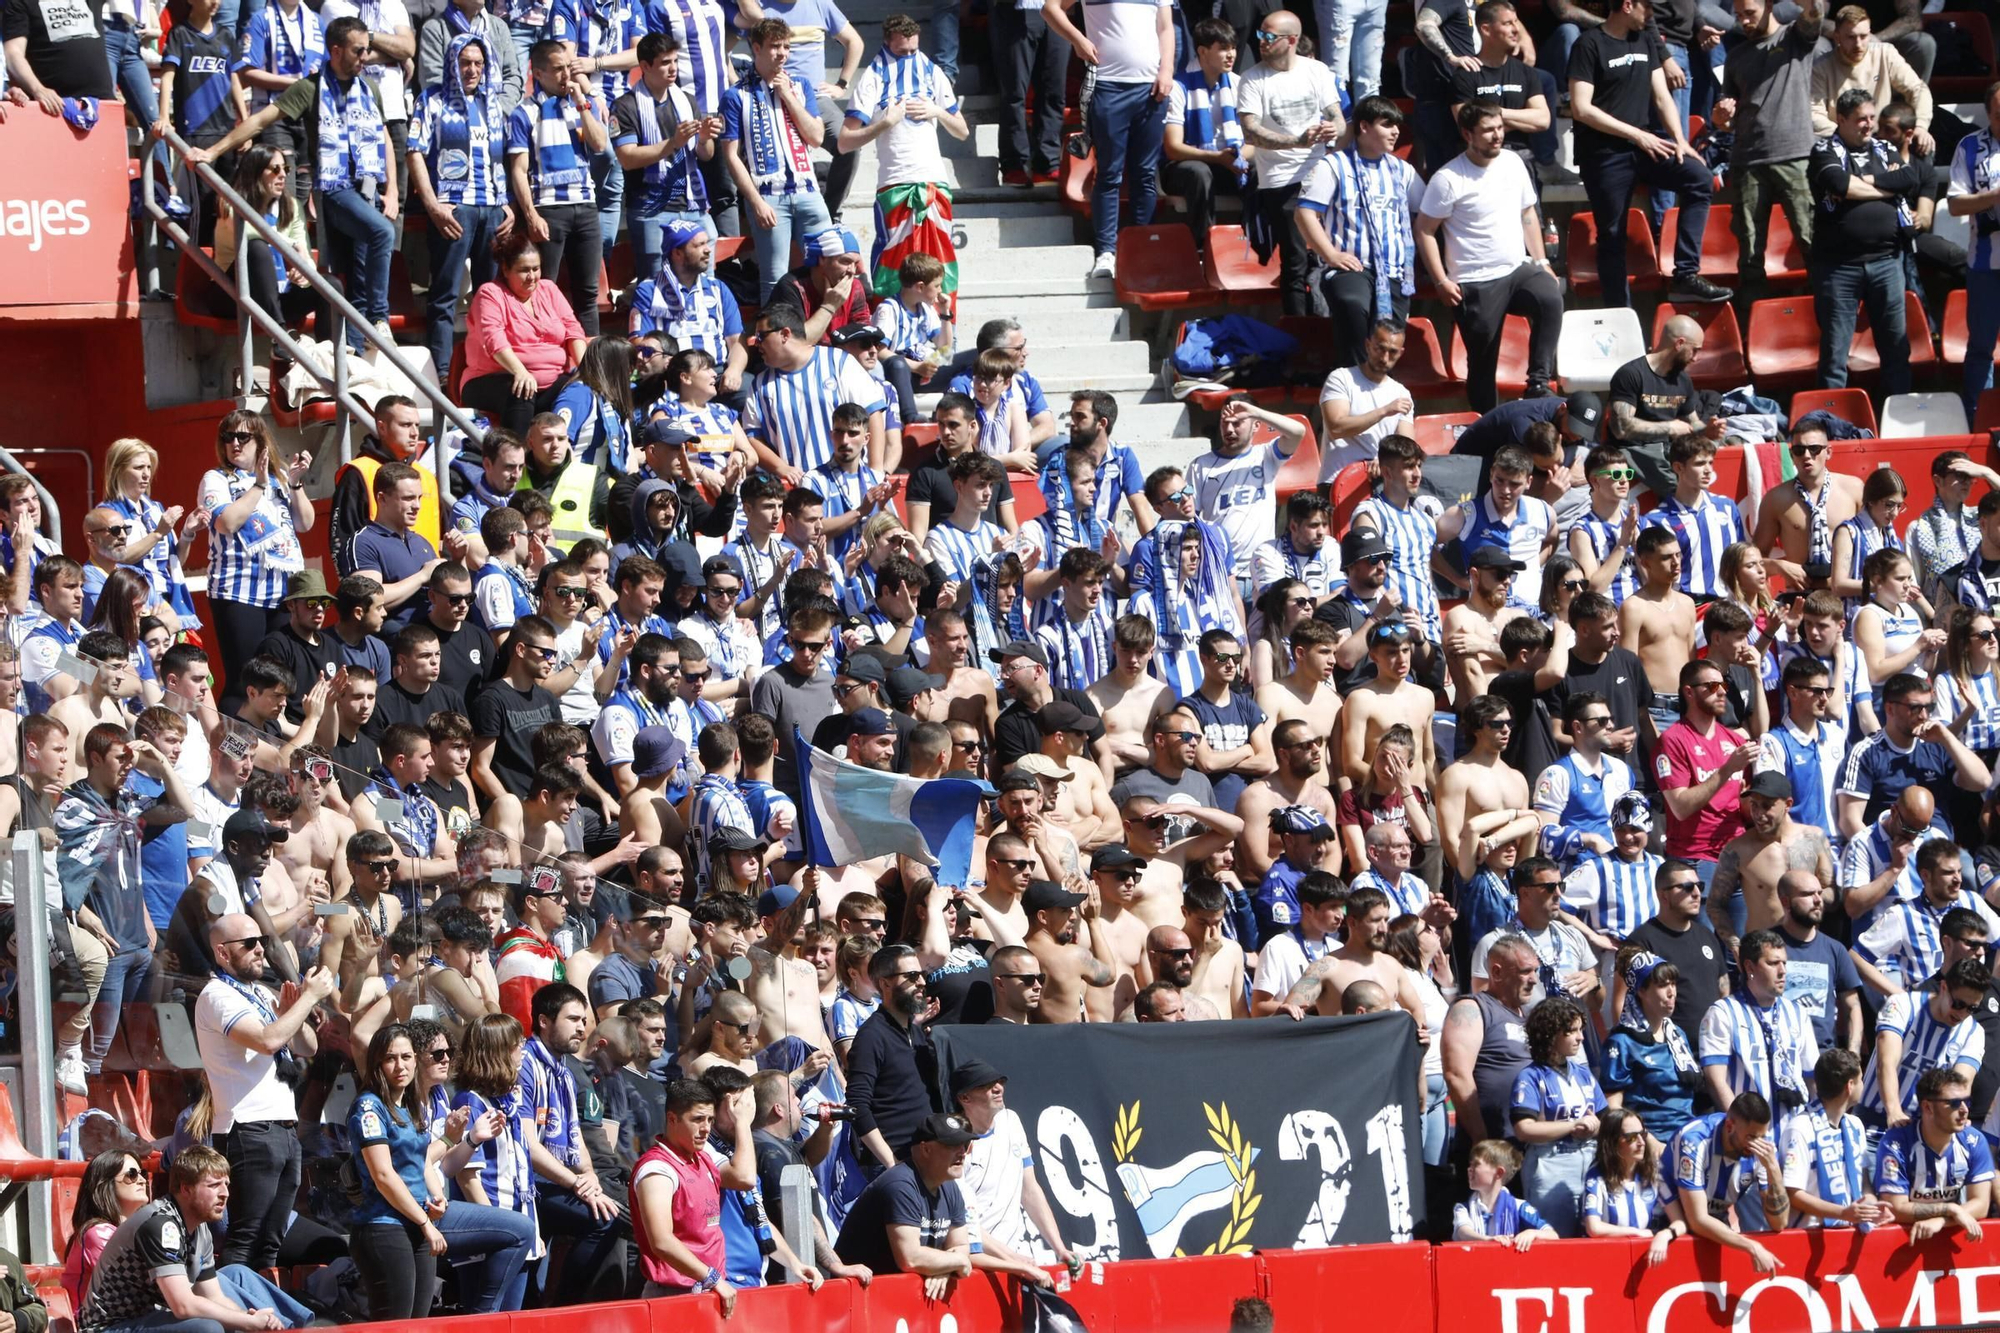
(477, 224)
(234, 14)
(1982, 329)
(499, 1239)
(1352, 31)
(124, 983)
(525, 37)
(1683, 96)
(253, 1291)
(133, 79)
(1553, 54)
(1437, 1131)
(1705, 79)
(944, 37)
(646, 233)
(362, 242)
(610, 180)
(1845, 287)
(802, 214)
(1127, 126)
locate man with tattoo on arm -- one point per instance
(1652, 404)
(1937, 1171)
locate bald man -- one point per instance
(1363, 997)
(1652, 403)
(1879, 863)
(1170, 958)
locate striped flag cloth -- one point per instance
(853, 813)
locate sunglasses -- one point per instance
(1025, 978)
(714, 591)
(1985, 635)
(131, 1175)
(1153, 822)
(971, 747)
(1301, 601)
(570, 594)
(808, 645)
(696, 676)
(247, 942)
(1955, 1103)
(1183, 495)
(744, 1028)
(1958, 1006)
(1264, 36)
(1617, 474)
(1593, 722)
(439, 1056)
(1693, 886)
(868, 923)
(649, 922)
(1809, 450)
(1013, 864)
(239, 436)
(378, 867)
(1575, 585)
(1816, 691)
(641, 352)
(545, 651)
(1228, 659)
(111, 530)
(455, 598)
(914, 978)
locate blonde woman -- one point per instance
(152, 543)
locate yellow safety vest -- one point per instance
(571, 498)
(429, 518)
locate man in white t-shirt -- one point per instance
(1483, 201)
(1361, 405)
(1002, 1196)
(898, 103)
(1233, 481)
(1131, 42)
(1288, 105)
(241, 1035)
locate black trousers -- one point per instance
(1029, 54)
(398, 1270)
(494, 395)
(1199, 183)
(1529, 290)
(574, 234)
(595, 1268)
(264, 1166)
(239, 628)
(1609, 178)
(1350, 304)
(1294, 259)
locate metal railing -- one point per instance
(252, 316)
(51, 511)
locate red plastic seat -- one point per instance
(1850, 405)
(728, 247)
(1438, 432)
(1423, 370)
(919, 445)
(1863, 359)
(1642, 262)
(1784, 256)
(192, 296)
(1784, 342)
(1233, 269)
(1720, 254)
(1300, 472)
(1955, 331)
(1029, 502)
(1965, 87)
(1720, 364)
(1159, 268)
(1511, 373)
(1987, 417)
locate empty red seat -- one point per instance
(1423, 370)
(1159, 268)
(1301, 471)
(1511, 372)
(1720, 364)
(1850, 405)
(1955, 332)
(1977, 28)
(1784, 341)
(196, 294)
(1784, 255)
(1720, 254)
(1988, 416)
(1642, 262)
(1438, 432)
(1234, 271)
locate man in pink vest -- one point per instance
(677, 1201)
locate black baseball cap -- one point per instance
(1064, 716)
(1019, 648)
(950, 1131)
(974, 1074)
(1045, 895)
(252, 824)
(1115, 857)
(1493, 557)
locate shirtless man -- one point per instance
(1147, 824)
(1009, 867)
(354, 937)
(319, 833)
(101, 699)
(1127, 698)
(1657, 623)
(536, 824)
(1360, 959)
(1472, 652)
(1218, 960)
(967, 692)
(1083, 798)
(645, 812)
(1800, 515)
(1306, 693)
(733, 1036)
(1069, 970)
(785, 989)
(1021, 813)
(1118, 873)
(1481, 783)
(1170, 958)
(1376, 705)
(1756, 858)
(1300, 780)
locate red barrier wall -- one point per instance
(1829, 1283)
(64, 201)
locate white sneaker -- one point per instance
(71, 1075)
(1105, 266)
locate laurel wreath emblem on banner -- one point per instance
(1236, 1152)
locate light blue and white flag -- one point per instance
(854, 813)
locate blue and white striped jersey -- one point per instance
(1602, 534)
(1928, 1043)
(1697, 1174)
(1366, 206)
(1411, 533)
(717, 805)
(1825, 1159)
(792, 410)
(1406, 894)
(504, 1170)
(1704, 531)
(1580, 802)
(1625, 1204)
(1759, 1049)
(1975, 169)
(1903, 939)
(1982, 729)
(1613, 895)
(1907, 1165)
(1521, 536)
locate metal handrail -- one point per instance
(51, 511)
(249, 310)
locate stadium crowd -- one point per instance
(1670, 834)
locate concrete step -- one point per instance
(1139, 419)
(1014, 235)
(1037, 296)
(1043, 196)
(1012, 204)
(1096, 329)
(1177, 451)
(984, 141)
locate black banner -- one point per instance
(1159, 1139)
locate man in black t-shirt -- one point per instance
(465, 649)
(55, 49)
(920, 1196)
(413, 692)
(1599, 665)
(1024, 676)
(1653, 403)
(1680, 935)
(1526, 96)
(306, 650)
(1444, 27)
(1618, 87)
(507, 713)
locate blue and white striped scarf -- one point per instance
(1070, 525)
(465, 167)
(779, 161)
(557, 164)
(904, 77)
(351, 131)
(674, 173)
(1205, 106)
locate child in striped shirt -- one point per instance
(1001, 420)
(1492, 1213)
(918, 337)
